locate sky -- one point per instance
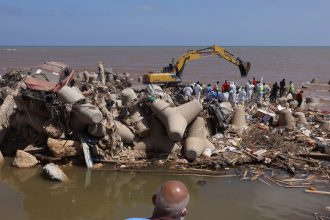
(167, 23)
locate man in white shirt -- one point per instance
(241, 96)
(198, 89)
(249, 91)
(187, 91)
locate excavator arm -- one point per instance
(173, 72)
(207, 52)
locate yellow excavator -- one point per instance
(172, 74)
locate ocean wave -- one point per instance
(10, 49)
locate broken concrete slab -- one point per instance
(54, 172)
(64, 148)
(24, 160)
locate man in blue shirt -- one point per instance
(170, 202)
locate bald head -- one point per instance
(171, 199)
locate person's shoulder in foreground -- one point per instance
(170, 202)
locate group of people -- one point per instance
(281, 90)
(252, 91)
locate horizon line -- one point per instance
(67, 45)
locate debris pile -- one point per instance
(60, 116)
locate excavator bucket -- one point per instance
(244, 68)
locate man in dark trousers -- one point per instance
(273, 93)
(282, 87)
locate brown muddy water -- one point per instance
(25, 194)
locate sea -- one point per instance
(297, 64)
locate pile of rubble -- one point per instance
(61, 116)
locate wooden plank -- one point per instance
(317, 192)
(317, 156)
(87, 154)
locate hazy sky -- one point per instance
(170, 22)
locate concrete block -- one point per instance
(238, 120)
(196, 139)
(176, 119)
(157, 140)
(69, 95)
(286, 119)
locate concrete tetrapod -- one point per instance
(196, 139)
(238, 120)
(69, 95)
(177, 119)
(86, 112)
(98, 130)
(157, 140)
(128, 96)
(286, 119)
(7, 110)
(140, 123)
(101, 72)
(300, 116)
(189, 110)
(124, 132)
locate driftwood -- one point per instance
(317, 192)
(47, 159)
(186, 171)
(317, 156)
